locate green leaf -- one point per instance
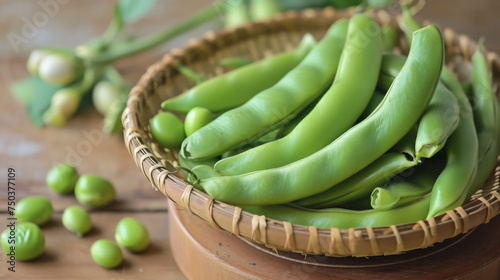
(24, 90)
(133, 10)
(36, 95)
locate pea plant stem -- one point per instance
(135, 46)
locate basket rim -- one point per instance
(344, 242)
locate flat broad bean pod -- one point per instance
(451, 187)
(274, 106)
(440, 118)
(353, 150)
(398, 193)
(486, 118)
(399, 158)
(360, 184)
(336, 112)
(188, 165)
(234, 88)
(372, 105)
(390, 37)
(344, 218)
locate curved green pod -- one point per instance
(360, 184)
(440, 118)
(452, 185)
(234, 88)
(390, 37)
(344, 218)
(372, 105)
(486, 119)
(353, 150)
(336, 111)
(274, 106)
(401, 192)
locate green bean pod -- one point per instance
(438, 122)
(274, 106)
(234, 88)
(390, 37)
(399, 158)
(290, 126)
(188, 165)
(372, 105)
(344, 218)
(452, 186)
(440, 118)
(360, 184)
(270, 136)
(483, 97)
(341, 105)
(353, 150)
(485, 118)
(401, 192)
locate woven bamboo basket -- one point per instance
(256, 41)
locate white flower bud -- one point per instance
(65, 102)
(57, 69)
(103, 96)
(34, 60)
(54, 118)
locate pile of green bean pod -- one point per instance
(343, 132)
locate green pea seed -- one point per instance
(106, 253)
(168, 130)
(35, 209)
(77, 220)
(94, 191)
(62, 178)
(28, 243)
(196, 118)
(131, 234)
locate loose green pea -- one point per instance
(28, 243)
(77, 220)
(94, 191)
(131, 234)
(168, 130)
(62, 178)
(106, 253)
(197, 118)
(35, 209)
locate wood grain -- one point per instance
(67, 256)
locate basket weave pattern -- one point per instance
(257, 41)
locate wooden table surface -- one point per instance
(33, 151)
